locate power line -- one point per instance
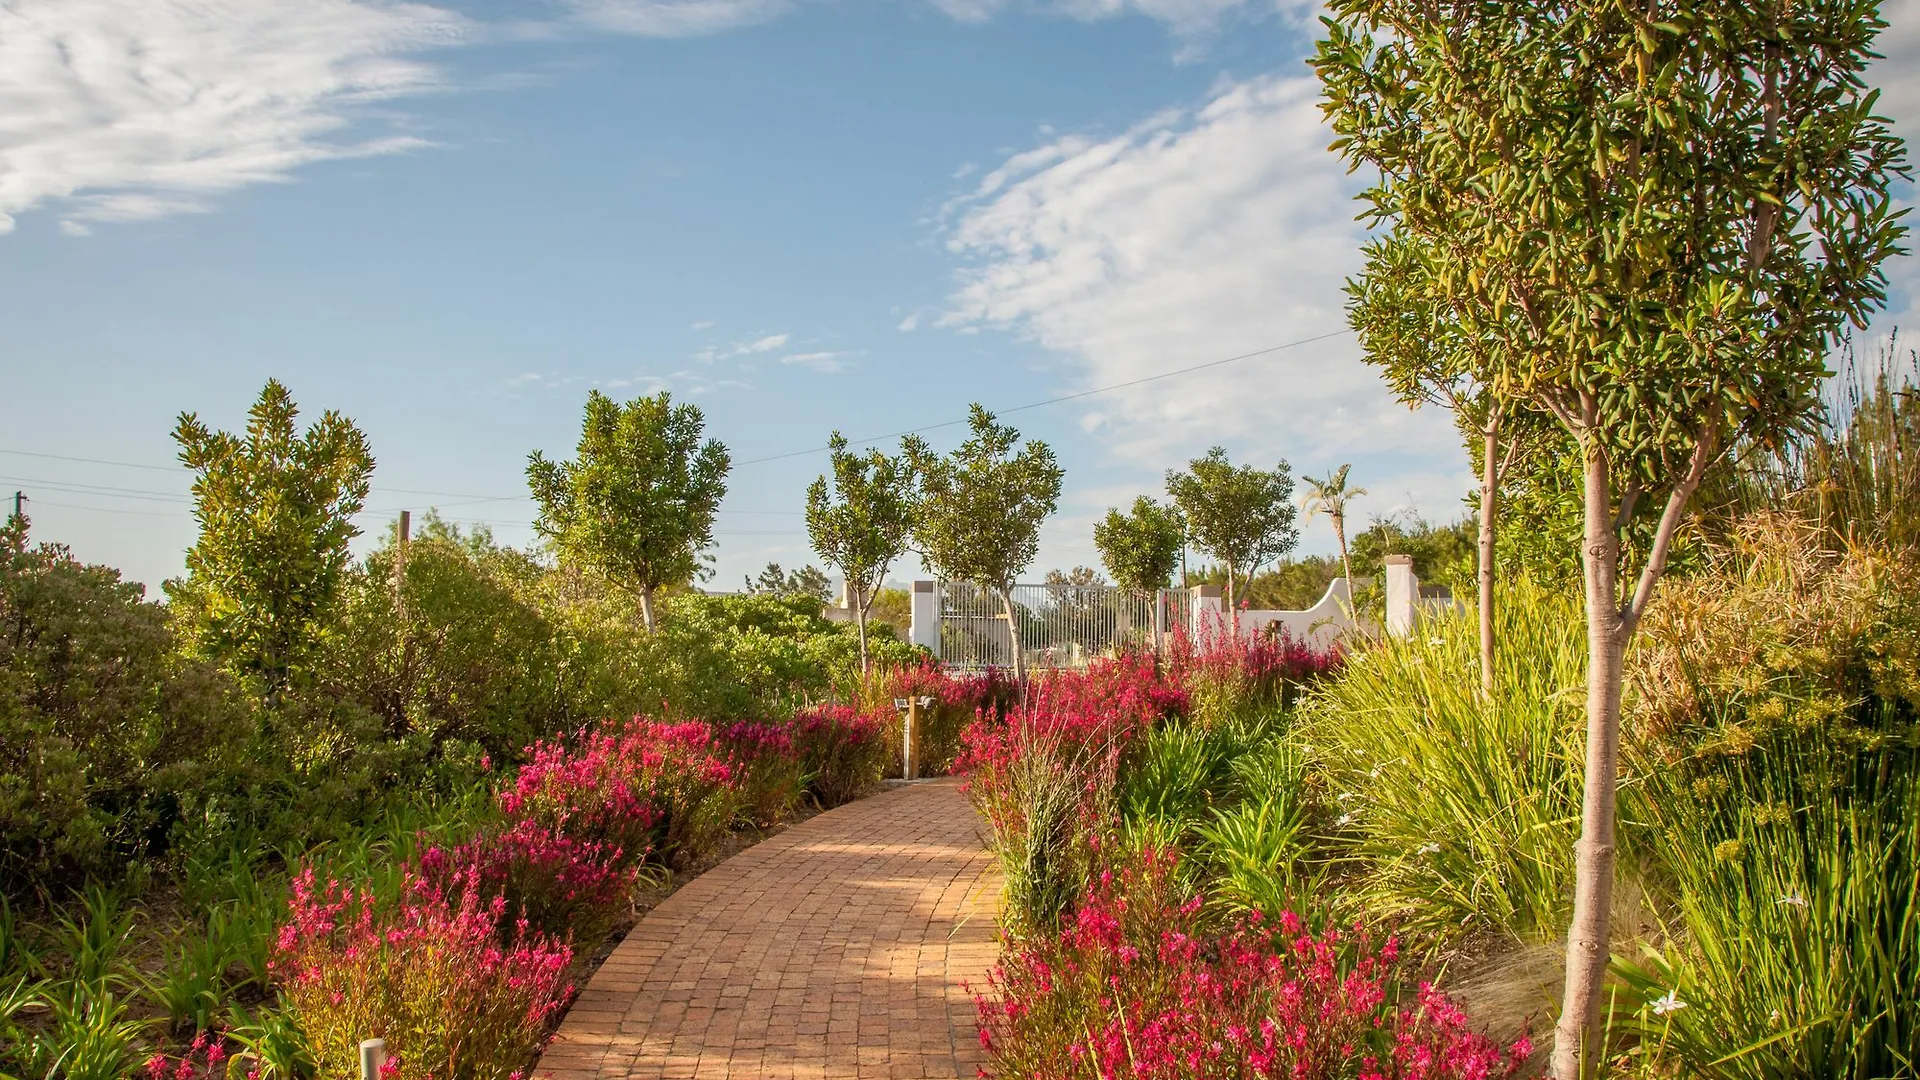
(1063, 397)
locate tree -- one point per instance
(637, 505)
(981, 509)
(807, 581)
(1330, 496)
(1655, 218)
(276, 510)
(1141, 549)
(1239, 515)
(866, 529)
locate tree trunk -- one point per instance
(1587, 938)
(1233, 609)
(1013, 637)
(1346, 564)
(646, 608)
(1489, 492)
(860, 620)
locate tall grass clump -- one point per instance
(1796, 946)
(1460, 812)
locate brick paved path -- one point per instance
(835, 949)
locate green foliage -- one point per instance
(1796, 876)
(1330, 495)
(806, 581)
(860, 522)
(983, 504)
(1461, 813)
(637, 504)
(99, 723)
(1258, 849)
(1141, 549)
(1240, 515)
(275, 509)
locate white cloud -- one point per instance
(1897, 74)
(1191, 238)
(123, 110)
(829, 363)
(763, 345)
(674, 18)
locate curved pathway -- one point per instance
(838, 948)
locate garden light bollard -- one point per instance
(910, 734)
(373, 1058)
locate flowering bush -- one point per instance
(842, 751)
(1135, 987)
(1227, 673)
(428, 973)
(642, 787)
(551, 883)
(210, 1052)
(767, 765)
(1045, 777)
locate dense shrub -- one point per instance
(955, 698)
(567, 889)
(1136, 985)
(426, 971)
(842, 752)
(768, 769)
(102, 728)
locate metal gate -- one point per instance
(1058, 626)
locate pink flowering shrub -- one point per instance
(766, 763)
(1135, 986)
(565, 888)
(1045, 777)
(645, 787)
(842, 752)
(956, 698)
(427, 972)
(1224, 672)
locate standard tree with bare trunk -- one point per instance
(1241, 515)
(636, 505)
(859, 521)
(981, 507)
(1656, 219)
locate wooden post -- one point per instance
(910, 746)
(373, 1058)
(400, 565)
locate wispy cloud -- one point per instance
(124, 111)
(830, 363)
(674, 18)
(1193, 237)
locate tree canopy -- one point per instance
(637, 503)
(1141, 548)
(1240, 515)
(275, 508)
(859, 521)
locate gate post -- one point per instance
(1403, 595)
(925, 630)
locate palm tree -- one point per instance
(1329, 497)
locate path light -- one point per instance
(910, 734)
(373, 1058)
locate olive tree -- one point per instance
(637, 504)
(275, 507)
(1140, 548)
(859, 522)
(1655, 219)
(981, 508)
(1238, 514)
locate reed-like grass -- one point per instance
(1454, 813)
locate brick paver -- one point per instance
(836, 949)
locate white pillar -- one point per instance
(1209, 611)
(926, 618)
(1403, 595)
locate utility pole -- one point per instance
(400, 565)
(19, 498)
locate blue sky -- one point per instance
(449, 221)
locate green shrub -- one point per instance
(1257, 850)
(1461, 813)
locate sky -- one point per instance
(450, 221)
